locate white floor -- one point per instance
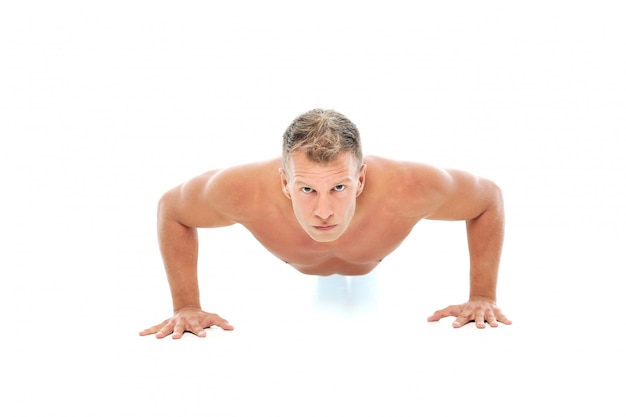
(71, 346)
(107, 108)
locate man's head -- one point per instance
(322, 135)
(323, 172)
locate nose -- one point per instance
(323, 209)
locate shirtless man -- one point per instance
(315, 210)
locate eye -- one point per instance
(307, 190)
(340, 187)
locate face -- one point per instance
(323, 196)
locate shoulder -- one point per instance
(419, 190)
(225, 196)
(246, 177)
(409, 187)
(407, 176)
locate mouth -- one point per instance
(325, 228)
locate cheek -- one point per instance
(350, 207)
(299, 204)
(346, 200)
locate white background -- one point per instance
(104, 106)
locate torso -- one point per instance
(378, 226)
(358, 251)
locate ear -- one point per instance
(284, 182)
(361, 184)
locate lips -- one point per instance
(324, 228)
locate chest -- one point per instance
(364, 244)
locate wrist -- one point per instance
(178, 309)
(482, 297)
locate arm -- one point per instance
(179, 249)
(485, 236)
(479, 202)
(180, 211)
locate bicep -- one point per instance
(460, 195)
(195, 203)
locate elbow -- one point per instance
(498, 195)
(495, 192)
(162, 205)
(495, 199)
(165, 205)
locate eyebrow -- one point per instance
(342, 181)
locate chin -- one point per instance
(324, 237)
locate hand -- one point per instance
(477, 310)
(190, 319)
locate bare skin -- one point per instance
(327, 219)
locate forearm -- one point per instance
(179, 250)
(485, 235)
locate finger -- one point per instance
(463, 318)
(179, 329)
(215, 320)
(165, 330)
(436, 316)
(198, 330)
(224, 324)
(446, 312)
(499, 317)
(503, 319)
(151, 330)
(491, 319)
(479, 319)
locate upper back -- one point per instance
(247, 192)
(221, 197)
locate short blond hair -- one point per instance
(322, 135)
